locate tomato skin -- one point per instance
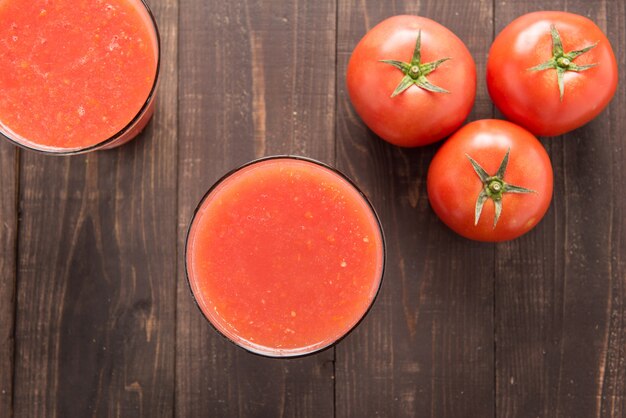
(453, 186)
(415, 117)
(531, 98)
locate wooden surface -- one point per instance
(96, 318)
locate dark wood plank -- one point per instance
(256, 78)
(561, 321)
(8, 237)
(426, 348)
(96, 292)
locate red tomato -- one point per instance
(433, 94)
(527, 59)
(498, 163)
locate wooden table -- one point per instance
(95, 315)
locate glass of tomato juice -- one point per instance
(76, 76)
(284, 256)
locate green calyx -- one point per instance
(415, 72)
(494, 187)
(563, 61)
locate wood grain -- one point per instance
(256, 78)
(105, 322)
(426, 348)
(96, 291)
(560, 317)
(8, 237)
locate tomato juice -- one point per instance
(284, 256)
(76, 75)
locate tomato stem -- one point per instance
(563, 61)
(415, 72)
(494, 187)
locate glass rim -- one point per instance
(267, 353)
(142, 111)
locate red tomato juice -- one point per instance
(75, 73)
(284, 256)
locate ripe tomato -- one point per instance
(491, 181)
(551, 72)
(411, 80)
